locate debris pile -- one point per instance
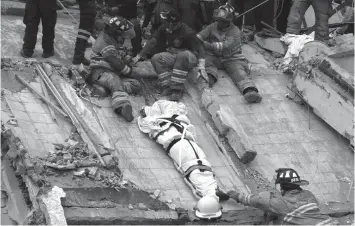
(8, 64)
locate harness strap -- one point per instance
(174, 122)
(202, 168)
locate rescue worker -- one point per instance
(128, 10)
(87, 20)
(321, 10)
(223, 45)
(294, 206)
(172, 66)
(205, 11)
(109, 69)
(166, 123)
(155, 8)
(36, 11)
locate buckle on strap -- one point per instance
(197, 166)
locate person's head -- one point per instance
(119, 27)
(289, 179)
(208, 208)
(171, 20)
(224, 15)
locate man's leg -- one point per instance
(120, 90)
(294, 20)
(184, 62)
(163, 64)
(48, 10)
(31, 20)
(321, 9)
(212, 65)
(137, 41)
(87, 21)
(237, 70)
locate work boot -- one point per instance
(252, 96)
(176, 95)
(79, 52)
(221, 195)
(82, 60)
(24, 54)
(211, 80)
(127, 112)
(47, 54)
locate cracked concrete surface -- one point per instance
(277, 129)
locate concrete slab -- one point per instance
(279, 131)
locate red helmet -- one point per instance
(224, 12)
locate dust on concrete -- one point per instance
(22, 68)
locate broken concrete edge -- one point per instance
(13, 149)
(313, 85)
(228, 126)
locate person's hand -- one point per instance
(201, 69)
(234, 195)
(136, 59)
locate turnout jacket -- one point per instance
(105, 54)
(226, 43)
(295, 207)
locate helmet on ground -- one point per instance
(289, 176)
(208, 208)
(224, 13)
(120, 27)
(171, 20)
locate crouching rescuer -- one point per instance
(109, 69)
(179, 56)
(223, 45)
(294, 206)
(167, 124)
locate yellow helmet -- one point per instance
(208, 208)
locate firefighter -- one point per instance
(294, 206)
(172, 66)
(205, 11)
(87, 20)
(128, 9)
(155, 8)
(167, 124)
(108, 68)
(321, 10)
(222, 42)
(36, 11)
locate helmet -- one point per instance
(171, 20)
(120, 27)
(224, 13)
(289, 176)
(208, 208)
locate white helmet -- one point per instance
(208, 208)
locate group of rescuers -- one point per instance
(177, 46)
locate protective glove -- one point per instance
(234, 195)
(136, 59)
(201, 69)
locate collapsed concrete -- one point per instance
(325, 81)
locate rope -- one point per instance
(282, 6)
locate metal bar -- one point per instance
(64, 105)
(251, 9)
(45, 91)
(60, 3)
(40, 95)
(271, 28)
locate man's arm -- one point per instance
(220, 47)
(110, 55)
(262, 201)
(152, 42)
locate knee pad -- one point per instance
(132, 86)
